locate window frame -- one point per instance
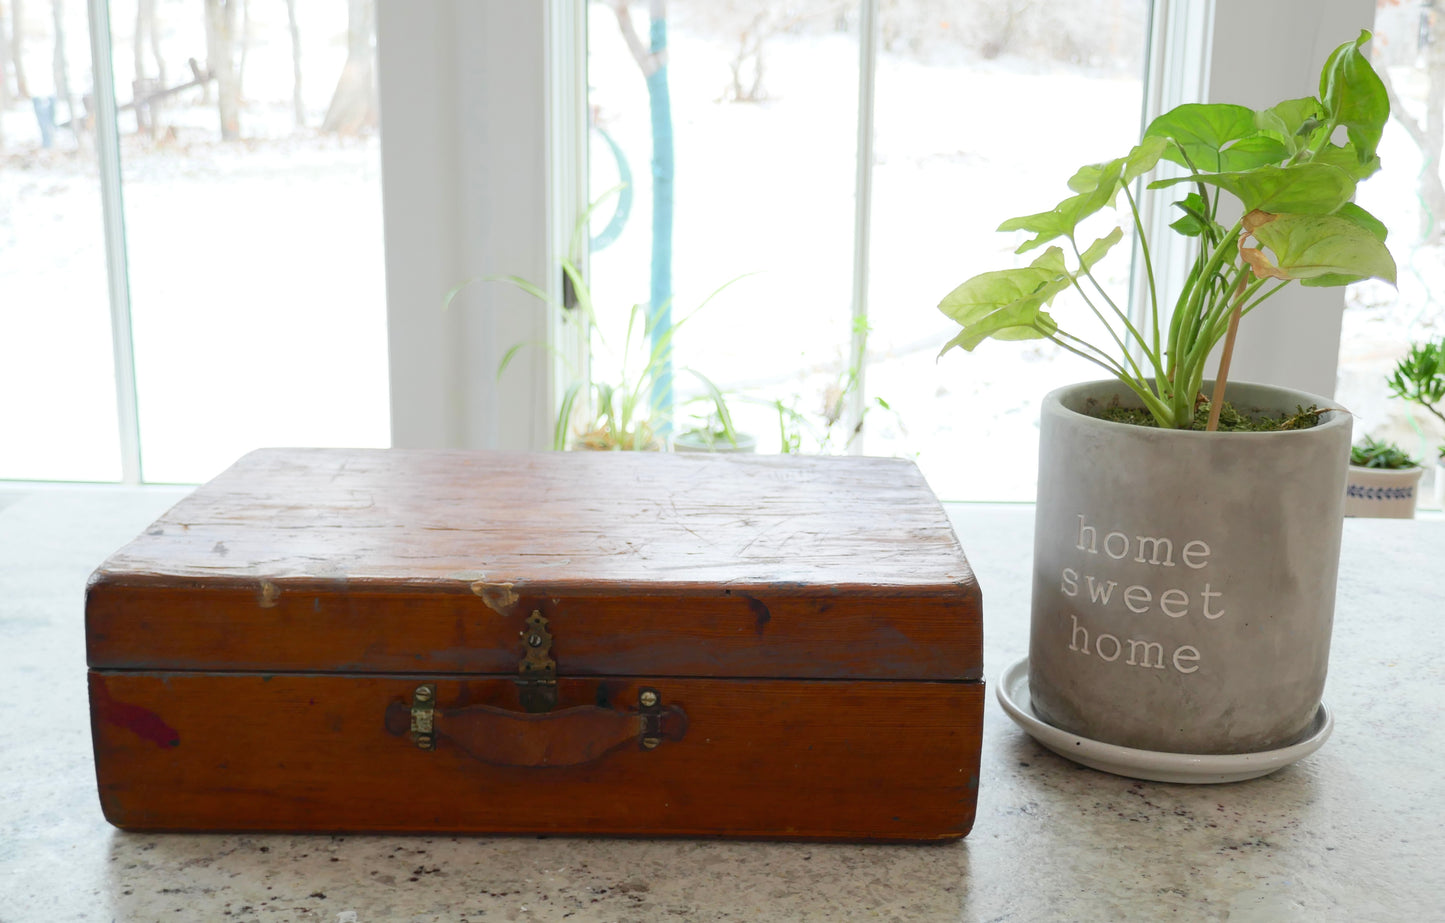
(507, 216)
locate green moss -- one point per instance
(1230, 419)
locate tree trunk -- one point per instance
(147, 32)
(245, 45)
(297, 102)
(1429, 133)
(221, 60)
(4, 65)
(62, 64)
(17, 48)
(353, 105)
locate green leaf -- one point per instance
(1255, 151)
(1196, 218)
(564, 416)
(1136, 163)
(1098, 248)
(1042, 327)
(1354, 96)
(1008, 304)
(1345, 158)
(1356, 215)
(1305, 189)
(1319, 246)
(1294, 121)
(989, 292)
(1291, 117)
(1098, 183)
(1200, 132)
(1143, 158)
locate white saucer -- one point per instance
(1194, 768)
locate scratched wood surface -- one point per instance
(646, 564)
(807, 759)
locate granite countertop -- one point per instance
(1355, 831)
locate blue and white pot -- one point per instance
(1383, 493)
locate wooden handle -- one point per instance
(569, 737)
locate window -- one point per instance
(226, 165)
(1379, 321)
(766, 122)
(492, 118)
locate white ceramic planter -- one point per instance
(1184, 583)
(1383, 493)
(1440, 483)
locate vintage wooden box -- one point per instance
(592, 643)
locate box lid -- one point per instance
(643, 564)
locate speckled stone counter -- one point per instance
(1356, 831)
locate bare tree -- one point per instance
(353, 104)
(750, 25)
(146, 89)
(60, 63)
(147, 34)
(221, 61)
(17, 47)
(4, 63)
(245, 45)
(297, 102)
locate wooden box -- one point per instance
(584, 643)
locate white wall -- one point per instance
(465, 158)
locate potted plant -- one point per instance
(620, 415)
(1184, 576)
(1420, 379)
(1383, 481)
(714, 432)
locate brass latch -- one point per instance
(537, 673)
(423, 715)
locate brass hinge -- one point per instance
(537, 673)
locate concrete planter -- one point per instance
(1184, 583)
(1383, 493)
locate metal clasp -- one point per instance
(423, 717)
(650, 707)
(537, 673)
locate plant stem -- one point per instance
(1216, 401)
(1192, 339)
(1138, 373)
(1149, 274)
(1157, 408)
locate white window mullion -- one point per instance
(117, 265)
(567, 145)
(862, 217)
(1176, 72)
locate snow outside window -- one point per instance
(980, 111)
(226, 163)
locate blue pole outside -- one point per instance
(662, 208)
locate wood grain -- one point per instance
(647, 564)
(811, 623)
(793, 759)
